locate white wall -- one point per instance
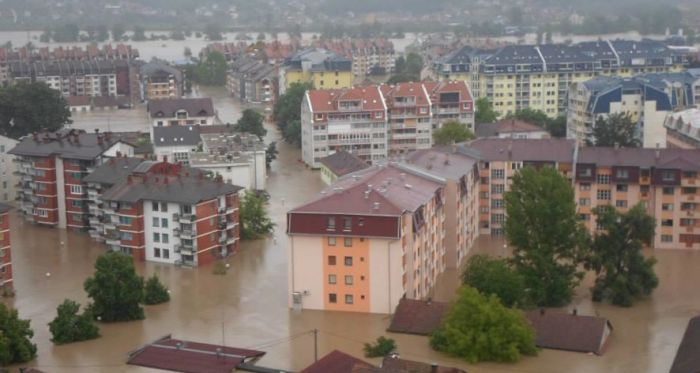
(149, 229)
(385, 275)
(305, 262)
(122, 148)
(237, 174)
(61, 193)
(169, 151)
(654, 130)
(8, 192)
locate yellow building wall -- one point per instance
(331, 79)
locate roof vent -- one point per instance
(375, 205)
(366, 194)
(408, 186)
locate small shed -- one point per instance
(570, 331)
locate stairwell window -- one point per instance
(330, 224)
(76, 189)
(347, 224)
(347, 241)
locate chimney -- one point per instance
(366, 194)
(433, 368)
(119, 154)
(376, 205)
(574, 312)
(541, 311)
(165, 158)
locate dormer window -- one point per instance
(181, 114)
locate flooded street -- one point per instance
(247, 307)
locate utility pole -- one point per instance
(315, 345)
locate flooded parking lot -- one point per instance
(247, 307)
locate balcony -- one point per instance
(183, 218)
(184, 249)
(448, 110)
(95, 221)
(111, 241)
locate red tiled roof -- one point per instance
(326, 100)
(336, 362)
(410, 89)
(78, 100)
(434, 88)
(417, 317)
(563, 331)
(190, 357)
(515, 125)
(395, 364)
(688, 355)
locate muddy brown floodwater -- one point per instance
(247, 307)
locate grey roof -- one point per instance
(5, 208)
(444, 162)
(688, 355)
(342, 163)
(544, 150)
(158, 69)
(683, 159)
(65, 67)
(63, 143)
(176, 136)
(113, 171)
(166, 108)
(318, 59)
(176, 189)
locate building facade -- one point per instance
(6, 284)
(366, 54)
(683, 129)
(8, 171)
(516, 77)
(51, 168)
(319, 67)
(160, 81)
(182, 112)
(648, 99)
(368, 241)
(451, 101)
(253, 81)
(409, 115)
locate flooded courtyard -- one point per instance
(247, 307)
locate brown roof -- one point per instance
(200, 107)
(410, 89)
(327, 100)
(417, 317)
(190, 357)
(393, 190)
(563, 331)
(78, 100)
(434, 88)
(506, 126)
(688, 355)
(551, 150)
(447, 162)
(684, 159)
(395, 364)
(342, 163)
(336, 362)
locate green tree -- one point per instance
(154, 292)
(400, 65)
(211, 70)
(543, 227)
(213, 32)
(15, 338)
(557, 126)
(66, 33)
(115, 288)
(102, 33)
(623, 274)
(70, 326)
(31, 107)
(118, 32)
(480, 328)
(254, 219)
(407, 69)
(382, 347)
(251, 122)
(271, 153)
(139, 34)
(287, 112)
(484, 111)
(498, 277)
(452, 132)
(616, 130)
(177, 35)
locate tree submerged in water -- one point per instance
(115, 288)
(70, 326)
(15, 338)
(154, 292)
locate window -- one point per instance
(622, 174)
(164, 237)
(164, 207)
(621, 187)
(484, 209)
(166, 254)
(156, 237)
(584, 217)
(331, 241)
(156, 252)
(156, 222)
(687, 222)
(76, 203)
(586, 172)
(603, 179)
(76, 189)
(154, 206)
(347, 224)
(164, 222)
(347, 242)
(348, 299)
(348, 280)
(332, 298)
(668, 191)
(622, 203)
(667, 223)
(668, 175)
(585, 186)
(497, 218)
(497, 188)
(348, 261)
(126, 236)
(125, 220)
(689, 190)
(332, 279)
(77, 175)
(498, 174)
(496, 203)
(690, 174)
(604, 195)
(331, 260)
(484, 195)
(666, 238)
(331, 224)
(584, 201)
(688, 206)
(667, 206)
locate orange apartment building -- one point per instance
(409, 115)
(6, 286)
(163, 212)
(51, 168)
(368, 241)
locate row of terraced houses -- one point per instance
(386, 232)
(152, 210)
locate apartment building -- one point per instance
(451, 101)
(366, 54)
(321, 68)
(683, 129)
(160, 81)
(354, 120)
(367, 241)
(664, 180)
(163, 212)
(182, 112)
(409, 115)
(8, 173)
(51, 168)
(516, 77)
(648, 99)
(76, 78)
(6, 285)
(253, 81)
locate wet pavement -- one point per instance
(247, 307)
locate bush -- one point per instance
(497, 277)
(115, 288)
(15, 335)
(155, 292)
(69, 326)
(382, 347)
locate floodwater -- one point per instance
(247, 307)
